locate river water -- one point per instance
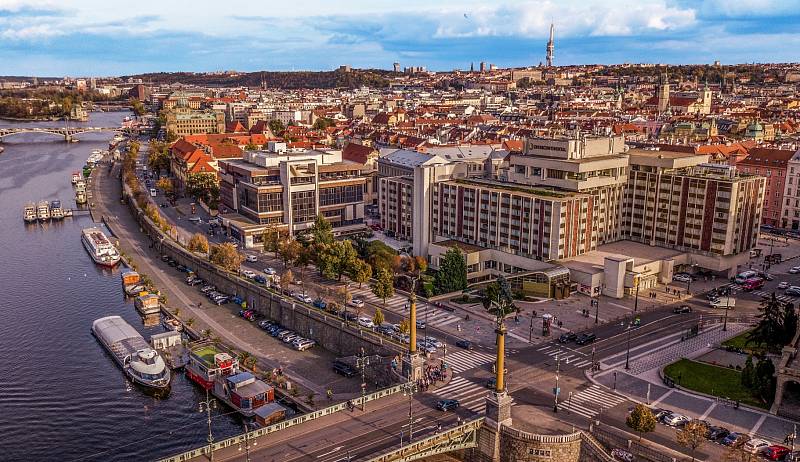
(61, 396)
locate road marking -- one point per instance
(669, 392)
(758, 424)
(619, 306)
(511, 334)
(336, 449)
(708, 411)
(546, 347)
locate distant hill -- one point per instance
(286, 80)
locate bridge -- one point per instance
(67, 132)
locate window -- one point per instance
(303, 206)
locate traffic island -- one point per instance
(712, 381)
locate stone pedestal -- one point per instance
(498, 409)
(413, 365)
(498, 415)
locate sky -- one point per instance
(110, 37)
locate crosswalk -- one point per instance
(736, 288)
(590, 402)
(469, 394)
(566, 355)
(425, 312)
(464, 360)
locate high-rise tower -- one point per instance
(550, 46)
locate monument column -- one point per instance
(413, 363)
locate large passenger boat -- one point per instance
(29, 213)
(43, 211)
(218, 371)
(141, 363)
(56, 212)
(99, 247)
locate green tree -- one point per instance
(322, 231)
(250, 146)
(203, 186)
(361, 272)
(138, 107)
(198, 243)
(452, 274)
(272, 238)
(692, 436)
(769, 331)
(158, 157)
(276, 126)
(789, 323)
(641, 420)
(378, 318)
(383, 287)
(764, 380)
(226, 255)
(302, 260)
(380, 255)
(748, 373)
(337, 259)
(322, 123)
(289, 249)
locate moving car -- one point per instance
(793, 291)
(270, 271)
(753, 284)
(358, 303)
(421, 324)
(682, 277)
(725, 302)
(794, 270)
(682, 309)
(568, 337)
(251, 258)
(585, 338)
(776, 452)
(465, 344)
(248, 274)
(783, 285)
(447, 404)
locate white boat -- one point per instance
(99, 247)
(141, 363)
(29, 213)
(67, 213)
(76, 176)
(56, 212)
(80, 197)
(43, 211)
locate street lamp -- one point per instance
(556, 390)
(247, 443)
(596, 303)
(636, 300)
(727, 307)
(206, 406)
(628, 352)
(362, 362)
(409, 388)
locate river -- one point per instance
(61, 396)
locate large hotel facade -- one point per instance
(572, 201)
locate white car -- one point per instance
(365, 322)
(303, 345)
(251, 258)
(794, 270)
(357, 303)
(270, 271)
(755, 445)
(248, 274)
(676, 420)
(783, 285)
(304, 298)
(433, 341)
(682, 278)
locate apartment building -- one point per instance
(677, 200)
(184, 121)
(772, 164)
(790, 210)
(276, 188)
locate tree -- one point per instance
(158, 158)
(203, 186)
(276, 126)
(384, 285)
(226, 255)
(748, 373)
(378, 318)
(789, 323)
(164, 184)
(198, 243)
(498, 299)
(289, 249)
(337, 259)
(250, 146)
(302, 261)
(452, 274)
(138, 107)
(322, 231)
(286, 279)
(322, 123)
(272, 238)
(405, 326)
(380, 255)
(361, 272)
(692, 435)
(764, 380)
(641, 420)
(769, 331)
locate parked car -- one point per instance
(776, 452)
(320, 303)
(465, 344)
(568, 337)
(676, 420)
(248, 274)
(794, 270)
(251, 258)
(447, 404)
(303, 344)
(358, 303)
(586, 337)
(715, 433)
(734, 439)
(344, 369)
(783, 285)
(270, 271)
(682, 309)
(659, 414)
(365, 322)
(755, 445)
(794, 291)
(304, 298)
(682, 277)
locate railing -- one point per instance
(249, 436)
(552, 439)
(597, 449)
(461, 437)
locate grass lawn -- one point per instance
(740, 341)
(711, 380)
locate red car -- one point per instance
(775, 452)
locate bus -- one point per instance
(745, 275)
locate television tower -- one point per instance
(550, 46)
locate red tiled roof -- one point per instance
(356, 153)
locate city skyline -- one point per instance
(89, 37)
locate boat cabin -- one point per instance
(246, 392)
(269, 414)
(147, 303)
(130, 278)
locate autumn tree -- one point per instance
(286, 279)
(272, 238)
(383, 287)
(226, 255)
(360, 272)
(164, 184)
(692, 436)
(203, 186)
(198, 243)
(641, 420)
(378, 318)
(405, 326)
(289, 249)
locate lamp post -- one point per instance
(596, 302)
(206, 406)
(556, 390)
(246, 443)
(636, 299)
(409, 388)
(628, 351)
(362, 362)
(727, 307)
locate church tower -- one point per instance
(550, 46)
(706, 99)
(663, 94)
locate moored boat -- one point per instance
(29, 212)
(141, 363)
(43, 211)
(147, 304)
(99, 247)
(217, 370)
(75, 177)
(56, 212)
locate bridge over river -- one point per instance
(67, 132)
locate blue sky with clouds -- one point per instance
(108, 37)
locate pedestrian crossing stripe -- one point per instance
(469, 394)
(583, 401)
(465, 360)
